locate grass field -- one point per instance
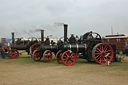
(25, 71)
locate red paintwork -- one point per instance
(58, 57)
(13, 54)
(34, 47)
(36, 56)
(103, 53)
(69, 58)
(47, 56)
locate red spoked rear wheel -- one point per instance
(69, 58)
(13, 54)
(58, 57)
(102, 53)
(36, 56)
(47, 55)
(34, 47)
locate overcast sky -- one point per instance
(25, 16)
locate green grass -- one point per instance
(26, 60)
(123, 65)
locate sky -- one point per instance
(25, 17)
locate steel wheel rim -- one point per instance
(102, 53)
(36, 56)
(59, 56)
(68, 58)
(13, 54)
(47, 56)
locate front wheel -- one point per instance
(13, 54)
(36, 56)
(47, 55)
(69, 58)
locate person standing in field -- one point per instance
(2, 51)
(126, 49)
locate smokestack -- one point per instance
(13, 38)
(42, 36)
(65, 32)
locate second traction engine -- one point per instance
(45, 50)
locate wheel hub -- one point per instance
(103, 54)
(69, 58)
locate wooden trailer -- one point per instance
(119, 40)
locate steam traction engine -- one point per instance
(45, 50)
(89, 45)
(28, 45)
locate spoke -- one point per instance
(65, 61)
(49, 54)
(67, 55)
(108, 51)
(68, 61)
(102, 60)
(64, 56)
(72, 60)
(102, 47)
(97, 53)
(97, 56)
(46, 56)
(105, 59)
(109, 56)
(71, 55)
(98, 49)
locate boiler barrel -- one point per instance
(19, 47)
(75, 47)
(52, 48)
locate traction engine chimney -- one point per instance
(42, 36)
(65, 32)
(13, 38)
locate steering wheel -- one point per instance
(93, 36)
